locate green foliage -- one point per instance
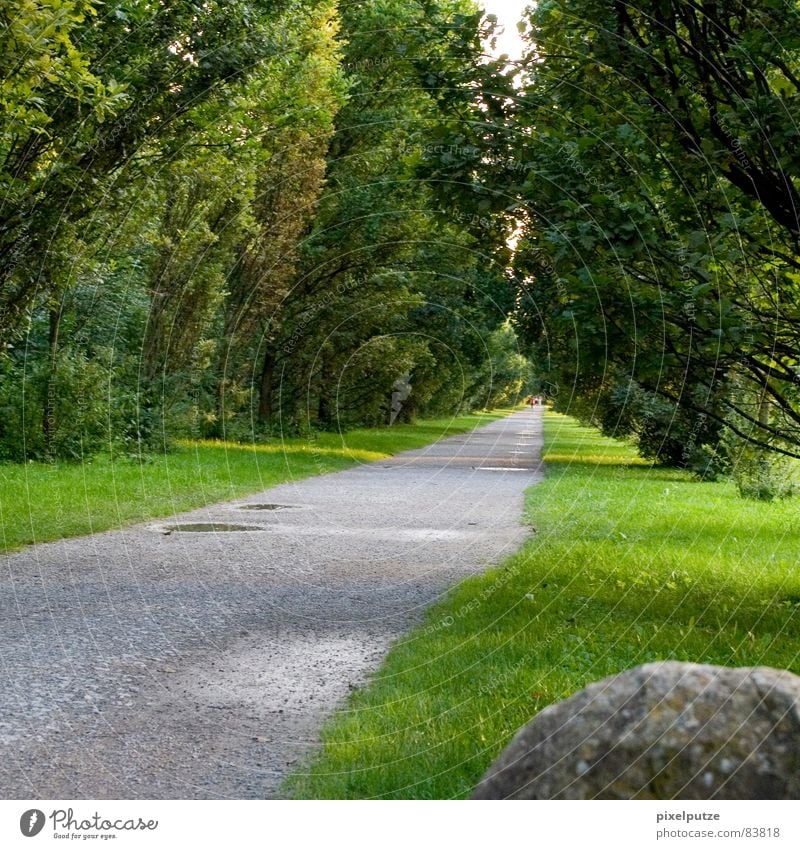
(41, 56)
(386, 284)
(761, 477)
(212, 224)
(656, 201)
(510, 376)
(663, 430)
(759, 474)
(96, 102)
(77, 388)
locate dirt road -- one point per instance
(158, 663)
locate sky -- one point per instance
(508, 13)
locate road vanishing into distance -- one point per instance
(172, 662)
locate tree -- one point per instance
(236, 190)
(390, 286)
(84, 91)
(649, 156)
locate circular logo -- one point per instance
(31, 822)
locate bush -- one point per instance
(664, 431)
(708, 462)
(763, 476)
(79, 408)
(759, 474)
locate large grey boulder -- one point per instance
(660, 731)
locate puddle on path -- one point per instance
(209, 527)
(266, 506)
(503, 469)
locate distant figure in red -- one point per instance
(532, 401)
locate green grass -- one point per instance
(629, 564)
(41, 502)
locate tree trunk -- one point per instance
(763, 409)
(324, 406)
(49, 406)
(265, 388)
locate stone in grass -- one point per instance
(660, 731)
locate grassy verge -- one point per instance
(629, 564)
(41, 502)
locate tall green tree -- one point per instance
(391, 287)
(649, 154)
(85, 87)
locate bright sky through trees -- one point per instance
(508, 13)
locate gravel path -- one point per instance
(145, 664)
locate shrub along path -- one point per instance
(154, 662)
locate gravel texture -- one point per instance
(147, 663)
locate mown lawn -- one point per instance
(41, 502)
(628, 564)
